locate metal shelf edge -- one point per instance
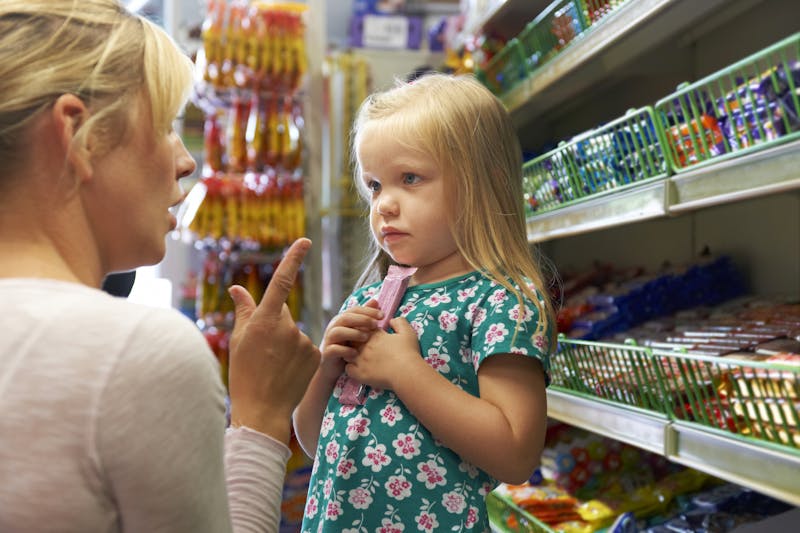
(641, 430)
(768, 171)
(636, 204)
(764, 469)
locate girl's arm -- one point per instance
(345, 333)
(502, 432)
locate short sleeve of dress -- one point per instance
(502, 326)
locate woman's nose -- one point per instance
(185, 164)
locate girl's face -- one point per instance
(409, 206)
(132, 188)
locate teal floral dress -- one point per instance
(377, 469)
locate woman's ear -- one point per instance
(69, 114)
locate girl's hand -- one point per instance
(344, 336)
(385, 357)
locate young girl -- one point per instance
(456, 396)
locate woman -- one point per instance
(113, 413)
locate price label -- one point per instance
(385, 32)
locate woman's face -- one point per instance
(131, 190)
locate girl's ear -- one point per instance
(69, 114)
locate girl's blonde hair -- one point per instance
(94, 49)
(469, 133)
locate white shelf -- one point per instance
(623, 35)
(767, 469)
(769, 171)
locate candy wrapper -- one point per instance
(392, 289)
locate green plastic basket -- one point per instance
(508, 517)
(750, 400)
(551, 31)
(505, 69)
(622, 153)
(619, 373)
(595, 10)
(747, 106)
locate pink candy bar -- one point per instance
(392, 289)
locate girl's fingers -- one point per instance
(343, 335)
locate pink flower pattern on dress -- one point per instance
(398, 487)
(515, 314)
(476, 314)
(472, 517)
(431, 474)
(327, 425)
(387, 526)
(539, 341)
(454, 502)
(333, 510)
(311, 507)
(466, 294)
(357, 427)
(376, 458)
(332, 452)
(426, 521)
(438, 361)
(448, 321)
(360, 498)
(437, 299)
(390, 415)
(499, 296)
(328, 488)
(346, 468)
(406, 446)
(496, 333)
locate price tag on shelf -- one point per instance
(385, 31)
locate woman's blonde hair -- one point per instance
(94, 49)
(469, 133)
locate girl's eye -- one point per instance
(373, 185)
(410, 179)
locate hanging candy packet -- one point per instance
(391, 293)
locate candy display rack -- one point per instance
(705, 202)
(505, 69)
(551, 31)
(751, 105)
(625, 152)
(249, 202)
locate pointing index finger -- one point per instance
(283, 278)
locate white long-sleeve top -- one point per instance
(112, 419)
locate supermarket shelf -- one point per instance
(768, 171)
(631, 30)
(767, 470)
(507, 19)
(612, 209)
(760, 173)
(643, 429)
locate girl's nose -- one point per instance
(387, 205)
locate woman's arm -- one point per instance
(502, 432)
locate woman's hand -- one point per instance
(271, 360)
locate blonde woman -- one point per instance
(457, 390)
(113, 414)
